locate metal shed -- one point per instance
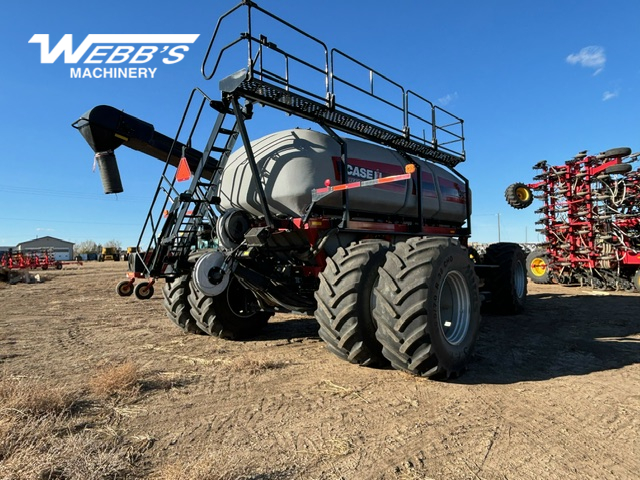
(60, 249)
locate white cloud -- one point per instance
(448, 98)
(609, 95)
(589, 57)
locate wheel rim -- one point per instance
(538, 266)
(520, 279)
(454, 307)
(522, 194)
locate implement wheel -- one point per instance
(508, 282)
(176, 303)
(143, 291)
(538, 267)
(345, 301)
(620, 168)
(518, 195)
(124, 288)
(616, 152)
(428, 307)
(233, 314)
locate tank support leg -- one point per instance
(343, 173)
(246, 142)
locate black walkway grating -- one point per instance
(274, 96)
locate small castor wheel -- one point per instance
(143, 291)
(124, 288)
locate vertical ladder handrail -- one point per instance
(153, 240)
(173, 234)
(211, 42)
(195, 182)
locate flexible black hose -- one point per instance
(109, 173)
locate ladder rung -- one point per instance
(219, 149)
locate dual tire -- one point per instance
(416, 306)
(506, 279)
(428, 307)
(175, 301)
(344, 300)
(232, 314)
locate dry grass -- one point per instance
(256, 367)
(31, 398)
(123, 379)
(46, 448)
(45, 431)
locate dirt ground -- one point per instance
(553, 393)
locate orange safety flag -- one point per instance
(184, 172)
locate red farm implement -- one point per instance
(590, 219)
(30, 260)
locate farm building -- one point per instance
(60, 249)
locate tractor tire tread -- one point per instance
(408, 326)
(175, 301)
(344, 303)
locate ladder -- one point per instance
(177, 215)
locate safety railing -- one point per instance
(333, 79)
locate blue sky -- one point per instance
(532, 80)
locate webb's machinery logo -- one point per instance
(116, 53)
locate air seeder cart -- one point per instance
(362, 221)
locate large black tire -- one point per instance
(616, 152)
(428, 307)
(538, 267)
(232, 314)
(636, 280)
(344, 300)
(508, 282)
(518, 195)
(176, 304)
(620, 168)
